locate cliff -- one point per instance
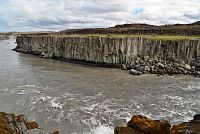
(109, 49)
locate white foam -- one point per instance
(55, 103)
(103, 130)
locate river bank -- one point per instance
(139, 53)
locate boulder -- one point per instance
(149, 126)
(147, 68)
(188, 67)
(135, 72)
(161, 65)
(123, 67)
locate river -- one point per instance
(80, 99)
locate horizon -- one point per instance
(56, 15)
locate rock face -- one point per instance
(18, 124)
(110, 50)
(143, 125)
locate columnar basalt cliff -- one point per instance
(111, 50)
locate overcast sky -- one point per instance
(34, 15)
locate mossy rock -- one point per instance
(149, 126)
(32, 125)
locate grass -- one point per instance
(153, 37)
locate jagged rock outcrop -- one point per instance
(12, 124)
(18, 124)
(143, 125)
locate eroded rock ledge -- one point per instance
(143, 125)
(18, 124)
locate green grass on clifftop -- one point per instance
(153, 37)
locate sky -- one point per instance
(45, 15)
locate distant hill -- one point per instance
(175, 29)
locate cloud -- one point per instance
(25, 15)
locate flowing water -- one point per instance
(77, 99)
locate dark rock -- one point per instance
(196, 117)
(196, 74)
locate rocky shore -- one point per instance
(18, 124)
(142, 125)
(159, 66)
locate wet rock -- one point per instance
(12, 124)
(143, 125)
(196, 117)
(149, 126)
(126, 130)
(124, 67)
(191, 127)
(135, 72)
(196, 74)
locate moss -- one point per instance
(3, 131)
(153, 37)
(2, 121)
(2, 126)
(3, 114)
